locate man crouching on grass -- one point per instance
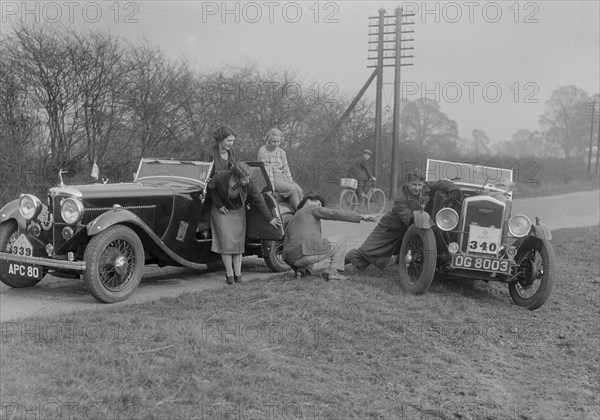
(303, 245)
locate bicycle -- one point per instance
(374, 200)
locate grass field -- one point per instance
(285, 349)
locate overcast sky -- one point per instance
(491, 65)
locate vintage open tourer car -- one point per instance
(108, 232)
(476, 237)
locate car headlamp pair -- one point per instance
(71, 209)
(447, 219)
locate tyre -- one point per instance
(9, 232)
(537, 264)
(417, 261)
(376, 203)
(348, 200)
(275, 258)
(114, 264)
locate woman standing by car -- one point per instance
(223, 156)
(229, 191)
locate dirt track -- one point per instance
(55, 296)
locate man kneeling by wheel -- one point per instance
(303, 246)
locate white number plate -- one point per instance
(484, 240)
(22, 270)
(481, 263)
(22, 246)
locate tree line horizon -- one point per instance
(71, 98)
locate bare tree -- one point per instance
(426, 125)
(155, 101)
(481, 143)
(565, 120)
(96, 60)
(20, 129)
(42, 57)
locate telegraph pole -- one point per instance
(383, 45)
(598, 145)
(398, 97)
(379, 91)
(593, 113)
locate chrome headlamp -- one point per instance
(29, 206)
(71, 210)
(446, 219)
(519, 225)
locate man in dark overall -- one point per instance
(386, 238)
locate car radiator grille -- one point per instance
(483, 213)
(58, 224)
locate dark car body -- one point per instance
(477, 237)
(108, 231)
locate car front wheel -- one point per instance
(114, 264)
(537, 264)
(418, 256)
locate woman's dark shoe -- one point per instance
(228, 279)
(238, 279)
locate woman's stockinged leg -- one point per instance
(228, 262)
(237, 264)
(294, 200)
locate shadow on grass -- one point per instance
(388, 282)
(477, 289)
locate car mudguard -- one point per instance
(422, 219)
(542, 231)
(11, 211)
(120, 215)
(113, 217)
(539, 231)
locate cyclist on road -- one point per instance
(360, 171)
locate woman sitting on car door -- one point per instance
(276, 163)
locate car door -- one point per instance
(256, 225)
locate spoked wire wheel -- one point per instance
(114, 264)
(417, 261)
(537, 267)
(348, 200)
(117, 264)
(376, 203)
